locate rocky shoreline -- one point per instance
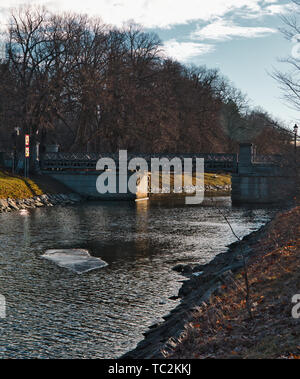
(217, 188)
(50, 200)
(202, 282)
(46, 200)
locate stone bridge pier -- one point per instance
(259, 181)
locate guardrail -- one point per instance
(88, 161)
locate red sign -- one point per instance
(26, 140)
(26, 152)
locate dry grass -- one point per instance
(217, 179)
(222, 328)
(17, 187)
(213, 180)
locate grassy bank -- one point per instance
(18, 187)
(217, 179)
(212, 183)
(222, 328)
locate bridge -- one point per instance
(78, 170)
(255, 178)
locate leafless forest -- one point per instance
(72, 80)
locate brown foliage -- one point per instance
(222, 328)
(72, 80)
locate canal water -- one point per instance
(52, 312)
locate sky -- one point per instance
(239, 37)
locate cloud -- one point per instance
(221, 30)
(184, 51)
(156, 13)
(278, 9)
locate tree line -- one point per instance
(72, 80)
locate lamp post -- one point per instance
(296, 134)
(296, 163)
(295, 140)
(15, 153)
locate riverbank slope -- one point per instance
(212, 319)
(225, 328)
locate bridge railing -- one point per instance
(87, 161)
(276, 158)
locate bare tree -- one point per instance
(289, 82)
(97, 88)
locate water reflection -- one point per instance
(52, 312)
(141, 240)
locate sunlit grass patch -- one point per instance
(212, 180)
(17, 187)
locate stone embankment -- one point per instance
(46, 200)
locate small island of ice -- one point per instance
(77, 260)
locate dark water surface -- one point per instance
(55, 313)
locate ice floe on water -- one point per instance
(77, 260)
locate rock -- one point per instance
(21, 205)
(187, 269)
(3, 204)
(45, 200)
(199, 268)
(30, 203)
(12, 204)
(44, 197)
(162, 302)
(52, 199)
(38, 204)
(8, 205)
(183, 269)
(178, 268)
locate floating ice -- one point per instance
(77, 260)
